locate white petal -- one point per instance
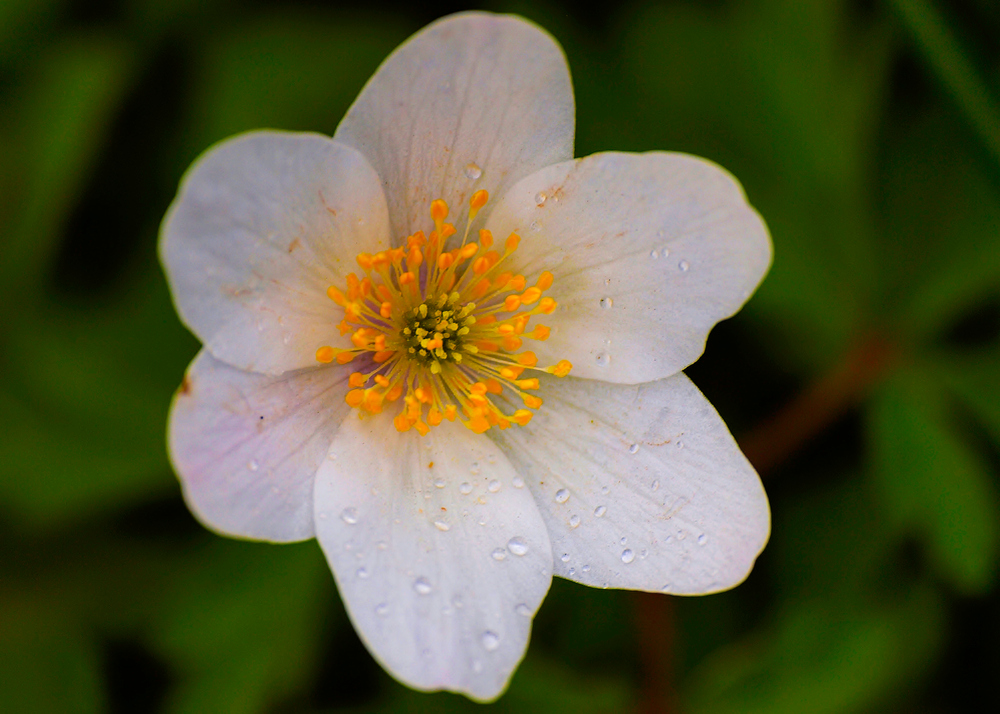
(246, 446)
(641, 487)
(649, 251)
(473, 101)
(440, 568)
(263, 224)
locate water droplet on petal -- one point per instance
(535, 226)
(477, 666)
(253, 465)
(349, 516)
(494, 486)
(655, 485)
(564, 557)
(422, 586)
(585, 569)
(474, 469)
(517, 546)
(605, 490)
(574, 521)
(381, 545)
(490, 640)
(606, 303)
(499, 554)
(702, 539)
(572, 572)
(472, 171)
(665, 251)
(623, 541)
(603, 359)
(441, 525)
(465, 488)
(439, 483)
(562, 495)
(654, 254)
(627, 556)
(517, 482)
(633, 449)
(382, 609)
(540, 198)
(600, 511)
(362, 573)
(683, 266)
(680, 444)
(522, 610)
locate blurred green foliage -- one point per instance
(866, 133)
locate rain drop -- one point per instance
(441, 525)
(605, 490)
(349, 516)
(472, 171)
(474, 469)
(540, 198)
(623, 541)
(562, 495)
(535, 226)
(422, 586)
(683, 266)
(634, 449)
(574, 521)
(499, 554)
(665, 252)
(253, 465)
(490, 640)
(572, 572)
(654, 254)
(585, 569)
(494, 486)
(517, 546)
(702, 539)
(602, 359)
(655, 485)
(362, 573)
(517, 482)
(600, 511)
(606, 303)
(680, 444)
(465, 488)
(564, 557)
(439, 483)
(382, 609)
(627, 556)
(522, 610)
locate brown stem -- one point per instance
(654, 623)
(819, 405)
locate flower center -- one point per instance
(442, 329)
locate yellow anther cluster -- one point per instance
(441, 329)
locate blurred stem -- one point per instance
(820, 404)
(654, 624)
(945, 55)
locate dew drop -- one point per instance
(702, 539)
(381, 545)
(422, 586)
(600, 511)
(623, 541)
(253, 465)
(540, 198)
(562, 495)
(522, 610)
(535, 226)
(585, 569)
(606, 303)
(494, 486)
(362, 573)
(382, 609)
(517, 546)
(472, 171)
(665, 251)
(572, 572)
(474, 469)
(628, 556)
(517, 482)
(499, 554)
(441, 525)
(603, 359)
(605, 490)
(564, 557)
(349, 516)
(574, 521)
(439, 483)
(643, 553)
(655, 485)
(634, 449)
(465, 488)
(680, 444)
(477, 666)
(683, 266)
(490, 640)
(681, 535)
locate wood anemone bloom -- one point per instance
(452, 353)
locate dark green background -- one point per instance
(866, 133)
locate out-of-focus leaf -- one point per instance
(941, 219)
(83, 408)
(241, 625)
(975, 379)
(290, 71)
(778, 94)
(57, 125)
(822, 656)
(931, 483)
(21, 20)
(46, 664)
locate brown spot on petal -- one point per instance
(294, 244)
(185, 387)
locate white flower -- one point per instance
(444, 486)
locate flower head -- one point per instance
(451, 353)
